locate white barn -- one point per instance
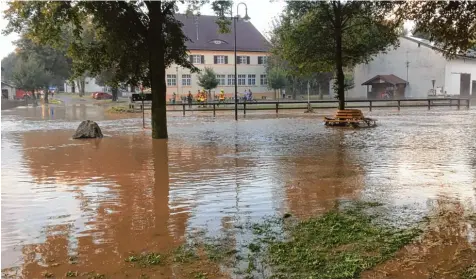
(421, 67)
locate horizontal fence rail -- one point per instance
(290, 105)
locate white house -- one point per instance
(210, 48)
(8, 91)
(413, 70)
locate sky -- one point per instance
(262, 13)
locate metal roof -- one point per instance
(204, 34)
(392, 79)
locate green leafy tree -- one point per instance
(450, 24)
(208, 80)
(323, 36)
(142, 38)
(53, 60)
(8, 63)
(30, 75)
(276, 80)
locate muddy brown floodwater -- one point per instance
(97, 201)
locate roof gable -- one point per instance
(422, 42)
(204, 34)
(392, 79)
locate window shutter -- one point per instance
(247, 60)
(260, 60)
(214, 59)
(226, 59)
(203, 59)
(190, 58)
(238, 60)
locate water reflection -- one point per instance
(97, 201)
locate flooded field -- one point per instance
(91, 203)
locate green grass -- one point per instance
(337, 245)
(469, 272)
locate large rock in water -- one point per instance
(88, 129)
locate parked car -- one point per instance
(101, 95)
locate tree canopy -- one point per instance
(450, 24)
(325, 36)
(139, 39)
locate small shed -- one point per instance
(385, 87)
(8, 91)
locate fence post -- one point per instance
(277, 105)
(244, 108)
(213, 110)
(459, 103)
(370, 105)
(429, 104)
(398, 105)
(183, 109)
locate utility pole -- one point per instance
(408, 65)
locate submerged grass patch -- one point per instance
(469, 272)
(120, 109)
(145, 260)
(337, 245)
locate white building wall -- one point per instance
(222, 69)
(425, 65)
(89, 86)
(452, 74)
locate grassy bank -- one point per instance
(339, 244)
(120, 109)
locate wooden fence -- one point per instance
(320, 104)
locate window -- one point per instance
(241, 79)
(221, 79)
(242, 60)
(263, 80)
(262, 60)
(171, 80)
(231, 79)
(251, 79)
(186, 80)
(197, 59)
(220, 59)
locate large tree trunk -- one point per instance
(73, 87)
(339, 62)
(83, 84)
(46, 95)
(114, 91)
(157, 70)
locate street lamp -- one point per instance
(245, 18)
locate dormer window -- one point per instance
(218, 42)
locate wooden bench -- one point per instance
(349, 117)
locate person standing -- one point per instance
(174, 96)
(189, 99)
